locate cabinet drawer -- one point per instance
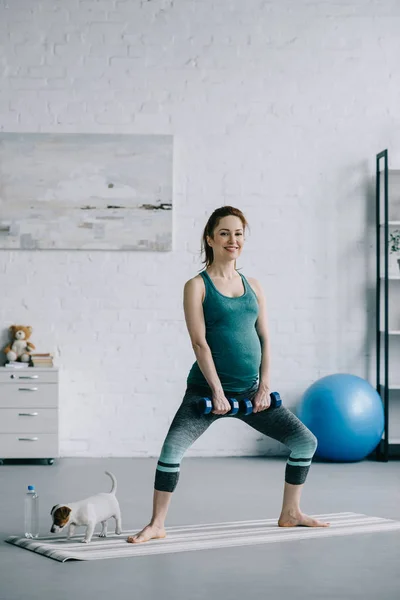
(28, 394)
(28, 445)
(31, 374)
(39, 420)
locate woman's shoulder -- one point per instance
(253, 281)
(195, 285)
(255, 285)
(194, 289)
(196, 281)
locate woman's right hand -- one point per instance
(221, 405)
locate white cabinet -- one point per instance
(29, 413)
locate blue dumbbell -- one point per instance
(276, 400)
(246, 407)
(205, 406)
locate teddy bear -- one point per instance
(20, 347)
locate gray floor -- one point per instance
(211, 489)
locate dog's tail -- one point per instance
(114, 482)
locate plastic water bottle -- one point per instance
(31, 513)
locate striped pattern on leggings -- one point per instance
(277, 423)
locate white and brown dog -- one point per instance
(89, 512)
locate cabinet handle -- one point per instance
(28, 376)
(35, 414)
(28, 389)
(34, 439)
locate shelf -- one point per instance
(387, 210)
(395, 172)
(392, 332)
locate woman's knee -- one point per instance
(172, 452)
(304, 444)
(169, 465)
(313, 442)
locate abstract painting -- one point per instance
(85, 191)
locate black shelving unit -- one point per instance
(385, 448)
(382, 450)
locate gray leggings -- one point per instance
(278, 423)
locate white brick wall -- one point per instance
(277, 107)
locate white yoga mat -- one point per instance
(187, 538)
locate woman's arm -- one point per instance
(262, 331)
(193, 306)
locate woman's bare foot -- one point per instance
(150, 532)
(289, 519)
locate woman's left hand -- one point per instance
(261, 400)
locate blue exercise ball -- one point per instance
(345, 413)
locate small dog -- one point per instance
(89, 512)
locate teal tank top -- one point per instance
(232, 337)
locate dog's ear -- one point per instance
(64, 512)
(54, 507)
(61, 515)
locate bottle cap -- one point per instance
(31, 487)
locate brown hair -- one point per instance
(217, 215)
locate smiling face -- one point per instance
(60, 516)
(227, 239)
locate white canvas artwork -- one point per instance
(85, 191)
